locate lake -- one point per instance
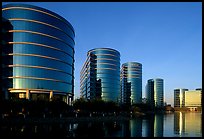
(177, 124)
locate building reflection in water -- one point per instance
(153, 127)
(125, 130)
(187, 123)
(179, 123)
(158, 125)
(136, 127)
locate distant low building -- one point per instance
(179, 97)
(193, 100)
(185, 99)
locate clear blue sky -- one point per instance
(165, 37)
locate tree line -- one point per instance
(58, 108)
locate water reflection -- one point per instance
(154, 126)
(179, 123)
(186, 122)
(160, 125)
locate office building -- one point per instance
(193, 99)
(42, 54)
(100, 75)
(149, 88)
(155, 92)
(179, 97)
(131, 83)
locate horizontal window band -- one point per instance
(98, 63)
(39, 33)
(32, 89)
(103, 49)
(20, 54)
(39, 22)
(131, 68)
(140, 77)
(40, 67)
(107, 59)
(38, 44)
(36, 78)
(107, 55)
(105, 69)
(25, 8)
(131, 74)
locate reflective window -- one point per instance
(36, 27)
(103, 51)
(44, 62)
(36, 38)
(108, 57)
(111, 61)
(107, 66)
(40, 50)
(110, 81)
(108, 72)
(41, 73)
(33, 15)
(20, 83)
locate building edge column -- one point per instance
(28, 94)
(51, 95)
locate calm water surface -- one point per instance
(178, 124)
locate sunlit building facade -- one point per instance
(131, 83)
(179, 97)
(42, 54)
(155, 92)
(100, 75)
(193, 99)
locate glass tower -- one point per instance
(100, 75)
(179, 97)
(155, 92)
(150, 92)
(131, 83)
(42, 54)
(159, 92)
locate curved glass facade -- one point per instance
(150, 92)
(100, 75)
(131, 83)
(43, 50)
(155, 92)
(159, 92)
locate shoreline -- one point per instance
(63, 120)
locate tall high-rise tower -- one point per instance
(155, 92)
(131, 83)
(100, 75)
(42, 53)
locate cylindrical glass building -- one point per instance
(131, 82)
(43, 53)
(102, 70)
(155, 92)
(159, 92)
